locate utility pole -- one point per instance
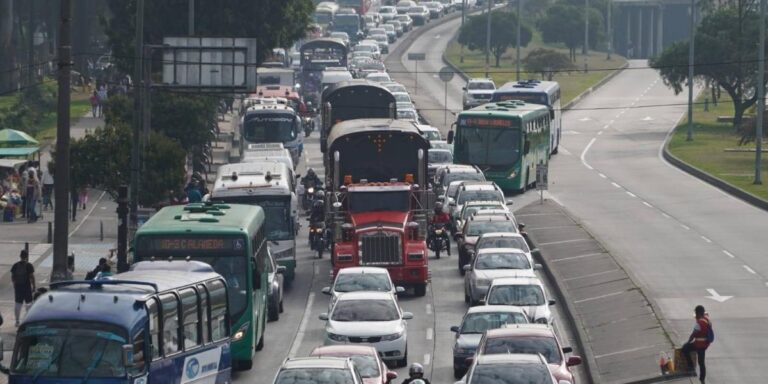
(517, 42)
(760, 98)
(691, 40)
(585, 50)
(31, 66)
(610, 30)
(191, 20)
(463, 16)
(61, 186)
(138, 76)
(488, 39)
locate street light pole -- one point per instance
(585, 50)
(138, 76)
(463, 15)
(191, 18)
(760, 98)
(488, 39)
(610, 30)
(517, 42)
(691, 40)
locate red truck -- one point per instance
(378, 198)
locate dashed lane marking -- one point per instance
(591, 275)
(706, 239)
(430, 333)
(615, 185)
(429, 309)
(750, 270)
(687, 228)
(631, 194)
(599, 297)
(427, 359)
(302, 326)
(647, 204)
(602, 175)
(729, 254)
(578, 257)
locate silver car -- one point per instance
(525, 292)
(275, 282)
(493, 263)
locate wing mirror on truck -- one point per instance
(449, 139)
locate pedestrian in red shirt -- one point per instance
(698, 342)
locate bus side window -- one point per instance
(139, 343)
(154, 328)
(205, 313)
(171, 342)
(190, 318)
(218, 295)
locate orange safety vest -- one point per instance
(700, 337)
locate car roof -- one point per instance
(366, 295)
(440, 150)
(483, 202)
(347, 349)
(500, 250)
(490, 218)
(362, 270)
(493, 212)
(501, 234)
(474, 185)
(316, 362)
(531, 329)
(517, 281)
(507, 358)
(495, 308)
(480, 80)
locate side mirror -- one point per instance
(449, 139)
(326, 290)
(573, 360)
(128, 355)
(463, 88)
(467, 267)
(567, 349)
(537, 267)
(482, 301)
(280, 269)
(323, 316)
(527, 147)
(407, 316)
(455, 329)
(469, 360)
(451, 201)
(391, 375)
(551, 302)
(551, 114)
(399, 290)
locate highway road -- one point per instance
(683, 241)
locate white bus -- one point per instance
(270, 185)
(263, 123)
(536, 92)
(256, 153)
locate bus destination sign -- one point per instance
(196, 244)
(487, 122)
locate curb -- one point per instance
(712, 180)
(580, 336)
(660, 379)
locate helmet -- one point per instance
(438, 208)
(310, 172)
(317, 204)
(416, 371)
(320, 194)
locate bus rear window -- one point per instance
(528, 97)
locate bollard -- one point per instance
(50, 232)
(101, 230)
(706, 105)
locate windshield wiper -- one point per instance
(95, 363)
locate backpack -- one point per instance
(710, 333)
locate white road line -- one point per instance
(729, 254)
(611, 122)
(706, 239)
(430, 333)
(565, 241)
(302, 326)
(615, 185)
(631, 194)
(750, 270)
(429, 309)
(602, 175)
(88, 215)
(666, 216)
(564, 151)
(584, 152)
(589, 166)
(591, 275)
(624, 351)
(578, 257)
(687, 228)
(647, 204)
(606, 126)
(600, 133)
(427, 358)
(598, 297)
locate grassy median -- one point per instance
(715, 148)
(571, 83)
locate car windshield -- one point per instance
(477, 228)
(511, 374)
(481, 85)
(432, 136)
(402, 97)
(314, 376)
(522, 295)
(365, 310)
(340, 35)
(352, 282)
(406, 115)
(503, 242)
(69, 349)
(481, 322)
(439, 157)
(492, 195)
(396, 88)
(366, 365)
(387, 10)
(546, 346)
(416, 10)
(462, 176)
(364, 48)
(502, 260)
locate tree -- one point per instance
(273, 23)
(503, 33)
(564, 23)
(726, 55)
(101, 159)
(547, 62)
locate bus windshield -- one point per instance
(347, 21)
(323, 17)
(266, 128)
(279, 223)
(486, 146)
(379, 201)
(69, 349)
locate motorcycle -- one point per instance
(318, 238)
(309, 125)
(438, 239)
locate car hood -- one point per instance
(364, 328)
(496, 273)
(372, 380)
(469, 340)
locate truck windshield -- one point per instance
(379, 201)
(69, 349)
(268, 128)
(279, 223)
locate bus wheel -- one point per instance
(555, 151)
(420, 290)
(260, 345)
(242, 365)
(274, 312)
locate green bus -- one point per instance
(508, 140)
(229, 237)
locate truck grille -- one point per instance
(380, 248)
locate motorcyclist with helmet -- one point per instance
(311, 180)
(416, 375)
(440, 218)
(318, 207)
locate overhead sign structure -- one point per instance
(417, 56)
(209, 62)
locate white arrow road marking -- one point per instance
(716, 296)
(585, 119)
(571, 133)
(647, 118)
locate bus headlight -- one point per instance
(512, 175)
(241, 332)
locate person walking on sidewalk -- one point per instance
(23, 278)
(698, 342)
(75, 199)
(32, 194)
(47, 189)
(94, 99)
(83, 198)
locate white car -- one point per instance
(477, 92)
(419, 14)
(403, 105)
(382, 40)
(494, 263)
(404, 6)
(408, 114)
(378, 77)
(357, 279)
(525, 292)
(368, 46)
(402, 97)
(395, 87)
(373, 318)
(387, 13)
(472, 207)
(429, 132)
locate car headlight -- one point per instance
(335, 337)
(541, 320)
(393, 336)
(241, 332)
